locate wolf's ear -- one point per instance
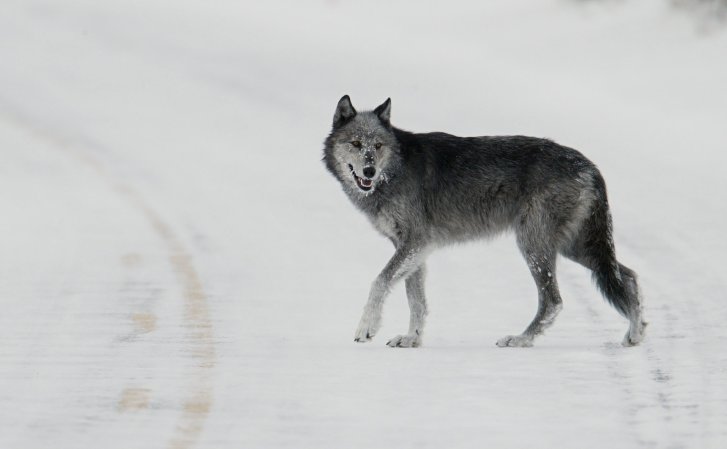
(384, 111)
(344, 112)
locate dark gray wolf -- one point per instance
(423, 191)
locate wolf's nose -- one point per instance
(369, 172)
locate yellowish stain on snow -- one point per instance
(133, 399)
(144, 322)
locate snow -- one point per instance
(178, 270)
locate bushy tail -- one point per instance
(618, 285)
(617, 282)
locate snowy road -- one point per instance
(178, 270)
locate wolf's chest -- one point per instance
(386, 224)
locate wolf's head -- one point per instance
(362, 151)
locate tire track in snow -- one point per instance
(685, 325)
(623, 380)
(656, 371)
(629, 379)
(198, 398)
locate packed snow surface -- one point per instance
(178, 270)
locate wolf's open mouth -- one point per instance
(363, 184)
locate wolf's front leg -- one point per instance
(417, 312)
(406, 259)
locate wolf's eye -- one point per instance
(377, 146)
(356, 143)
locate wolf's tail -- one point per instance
(617, 282)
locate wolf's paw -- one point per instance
(515, 341)
(363, 334)
(368, 326)
(635, 334)
(405, 341)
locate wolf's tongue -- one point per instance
(366, 182)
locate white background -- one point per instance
(178, 270)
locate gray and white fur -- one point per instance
(424, 191)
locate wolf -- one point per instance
(425, 191)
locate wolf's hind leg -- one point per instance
(617, 282)
(417, 312)
(542, 268)
(637, 325)
(593, 248)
